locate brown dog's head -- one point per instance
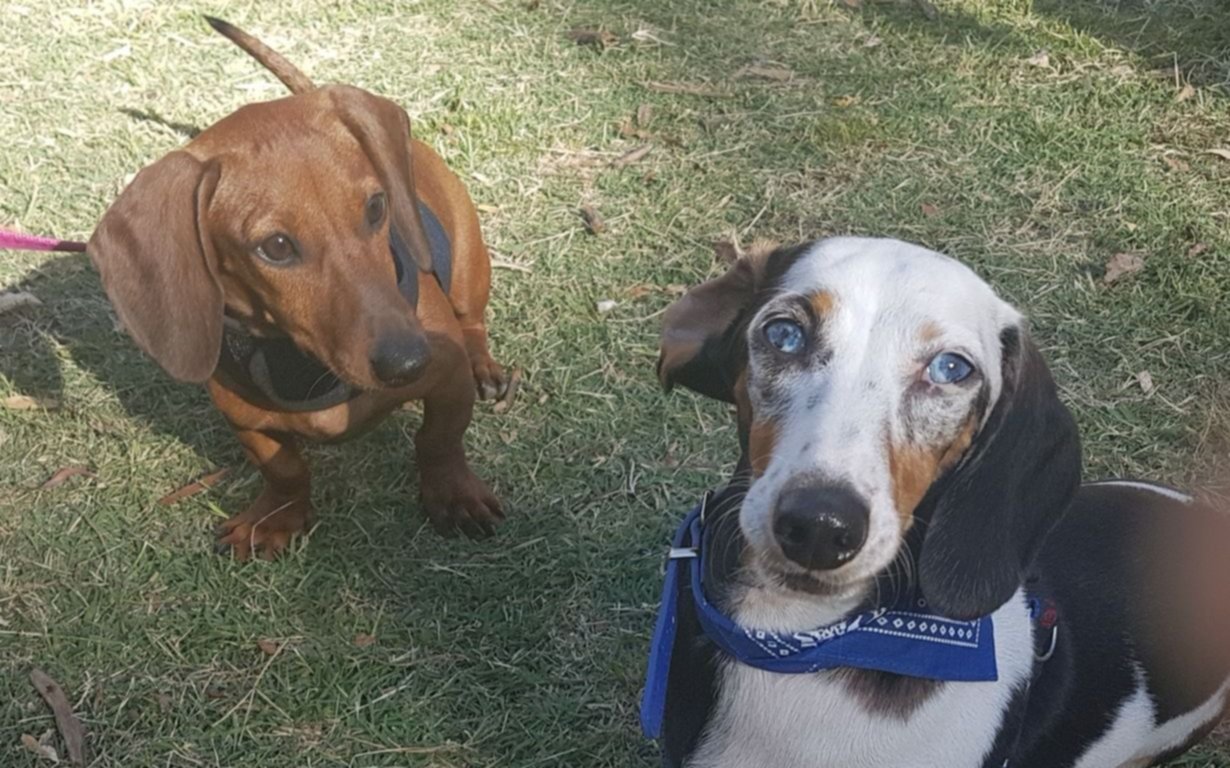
(283, 215)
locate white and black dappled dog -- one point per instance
(900, 431)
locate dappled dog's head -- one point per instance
(282, 215)
(881, 387)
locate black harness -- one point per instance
(293, 380)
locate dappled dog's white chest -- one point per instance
(817, 721)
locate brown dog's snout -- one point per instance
(399, 359)
(820, 526)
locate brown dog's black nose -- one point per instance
(820, 527)
(399, 360)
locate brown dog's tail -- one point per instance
(270, 59)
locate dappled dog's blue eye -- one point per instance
(949, 368)
(785, 335)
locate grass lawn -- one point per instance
(1035, 141)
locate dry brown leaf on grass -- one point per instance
(1145, 380)
(1197, 249)
(268, 647)
(594, 223)
(1121, 265)
(36, 747)
(1039, 59)
(27, 403)
(929, 210)
(766, 72)
(67, 723)
(1185, 93)
(64, 474)
(1175, 163)
(12, 300)
(596, 36)
(641, 290)
(637, 126)
(632, 156)
(203, 483)
(364, 640)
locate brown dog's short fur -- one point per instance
(333, 172)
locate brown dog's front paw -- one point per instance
(459, 501)
(490, 378)
(266, 527)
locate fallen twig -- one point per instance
(203, 483)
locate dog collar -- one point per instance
(906, 640)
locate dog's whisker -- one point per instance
(319, 380)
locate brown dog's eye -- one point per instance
(277, 249)
(375, 209)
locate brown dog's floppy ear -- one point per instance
(703, 347)
(991, 513)
(158, 265)
(383, 131)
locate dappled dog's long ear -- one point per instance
(702, 345)
(383, 131)
(990, 513)
(158, 265)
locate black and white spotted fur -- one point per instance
(1139, 573)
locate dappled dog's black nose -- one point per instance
(398, 360)
(820, 527)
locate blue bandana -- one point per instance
(909, 640)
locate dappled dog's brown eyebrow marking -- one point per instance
(929, 332)
(823, 302)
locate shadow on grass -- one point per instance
(75, 319)
(1190, 35)
(185, 130)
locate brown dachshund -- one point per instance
(316, 267)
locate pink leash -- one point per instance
(18, 241)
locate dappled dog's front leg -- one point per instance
(284, 508)
(454, 498)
